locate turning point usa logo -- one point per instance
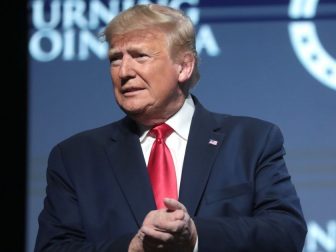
(306, 43)
(68, 29)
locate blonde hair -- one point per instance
(175, 24)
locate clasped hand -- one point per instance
(167, 229)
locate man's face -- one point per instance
(144, 76)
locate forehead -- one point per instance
(139, 38)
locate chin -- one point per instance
(141, 115)
(135, 106)
(133, 111)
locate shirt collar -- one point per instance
(180, 121)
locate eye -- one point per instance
(141, 57)
(114, 60)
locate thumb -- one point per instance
(173, 204)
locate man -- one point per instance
(229, 191)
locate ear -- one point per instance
(186, 67)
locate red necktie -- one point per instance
(161, 166)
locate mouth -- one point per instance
(131, 90)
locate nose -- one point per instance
(126, 70)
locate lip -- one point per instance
(131, 90)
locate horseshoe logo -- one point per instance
(306, 44)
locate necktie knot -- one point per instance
(161, 131)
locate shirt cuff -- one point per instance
(196, 246)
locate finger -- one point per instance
(177, 215)
(173, 204)
(156, 236)
(159, 218)
(172, 223)
(172, 227)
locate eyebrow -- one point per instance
(113, 53)
(128, 48)
(131, 49)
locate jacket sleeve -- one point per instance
(276, 222)
(60, 224)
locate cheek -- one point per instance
(112, 70)
(166, 83)
(114, 77)
(163, 76)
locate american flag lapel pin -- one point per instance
(213, 142)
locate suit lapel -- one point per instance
(130, 170)
(203, 144)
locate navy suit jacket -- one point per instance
(236, 188)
